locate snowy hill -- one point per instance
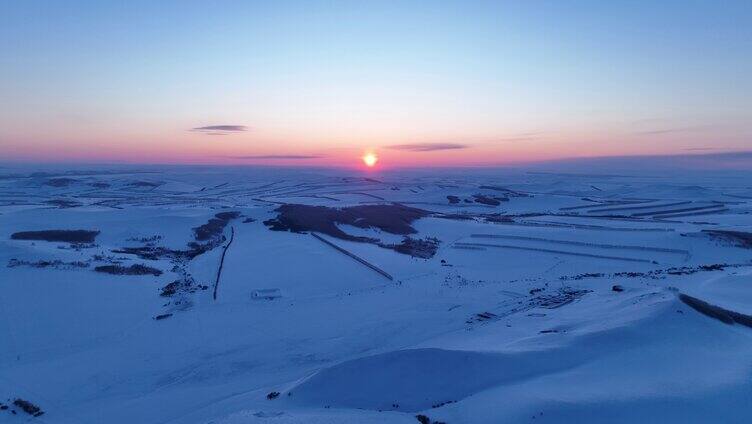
(179, 296)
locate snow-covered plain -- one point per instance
(514, 319)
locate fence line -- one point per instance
(352, 255)
(222, 261)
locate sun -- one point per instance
(370, 159)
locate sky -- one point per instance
(418, 83)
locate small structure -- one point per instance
(266, 294)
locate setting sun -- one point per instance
(370, 159)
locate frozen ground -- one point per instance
(513, 319)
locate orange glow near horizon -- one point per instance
(259, 148)
(370, 159)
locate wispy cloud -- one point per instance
(662, 131)
(518, 138)
(659, 132)
(275, 157)
(651, 121)
(220, 129)
(638, 165)
(526, 136)
(702, 149)
(426, 147)
(732, 154)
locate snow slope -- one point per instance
(512, 320)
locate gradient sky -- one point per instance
(420, 83)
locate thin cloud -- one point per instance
(527, 136)
(673, 130)
(650, 121)
(741, 159)
(518, 138)
(427, 147)
(735, 154)
(220, 129)
(702, 149)
(659, 132)
(275, 157)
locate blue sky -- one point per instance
(511, 81)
